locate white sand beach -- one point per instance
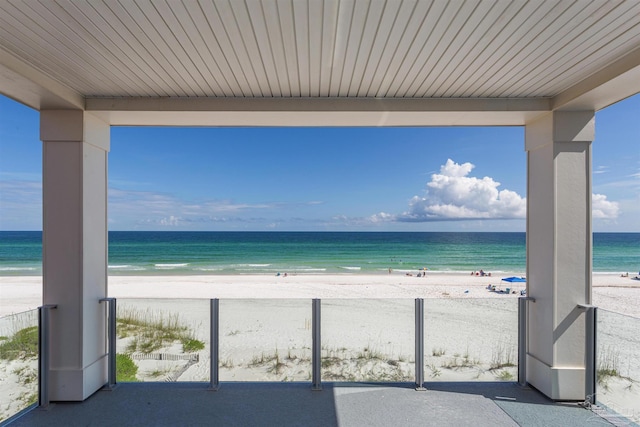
(367, 326)
(610, 291)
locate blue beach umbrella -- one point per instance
(514, 279)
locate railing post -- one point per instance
(214, 345)
(43, 352)
(523, 318)
(316, 357)
(590, 352)
(419, 362)
(111, 333)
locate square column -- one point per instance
(74, 249)
(559, 249)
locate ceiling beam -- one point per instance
(316, 111)
(27, 85)
(617, 81)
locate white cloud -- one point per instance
(171, 221)
(454, 195)
(601, 208)
(150, 209)
(20, 204)
(601, 170)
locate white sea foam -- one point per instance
(249, 265)
(127, 267)
(18, 268)
(171, 265)
(352, 268)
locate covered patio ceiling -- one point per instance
(319, 62)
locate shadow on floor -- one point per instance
(295, 404)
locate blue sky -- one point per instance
(351, 179)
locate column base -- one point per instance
(75, 385)
(557, 383)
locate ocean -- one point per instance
(190, 253)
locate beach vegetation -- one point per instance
(258, 360)
(25, 399)
(277, 366)
(369, 354)
(502, 356)
(328, 362)
(342, 364)
(226, 363)
(191, 345)
(435, 372)
(608, 364)
(273, 362)
(126, 369)
(152, 330)
(161, 371)
(21, 345)
(608, 367)
(505, 376)
(27, 374)
(157, 373)
(437, 352)
(459, 363)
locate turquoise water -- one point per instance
(164, 253)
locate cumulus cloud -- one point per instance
(602, 208)
(454, 195)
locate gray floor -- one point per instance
(295, 404)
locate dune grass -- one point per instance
(152, 330)
(21, 345)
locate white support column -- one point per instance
(75, 147)
(558, 250)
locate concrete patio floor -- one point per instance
(295, 404)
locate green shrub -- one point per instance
(189, 345)
(126, 369)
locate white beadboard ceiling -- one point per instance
(319, 48)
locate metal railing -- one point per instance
(523, 318)
(44, 352)
(316, 338)
(316, 381)
(111, 340)
(215, 344)
(590, 352)
(316, 353)
(590, 346)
